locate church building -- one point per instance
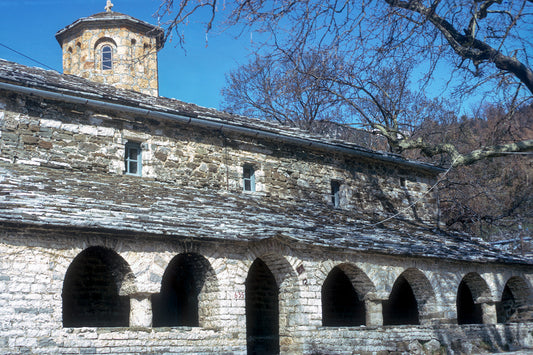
(137, 224)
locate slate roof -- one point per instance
(43, 196)
(51, 81)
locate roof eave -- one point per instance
(225, 126)
(141, 26)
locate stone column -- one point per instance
(374, 312)
(488, 310)
(140, 310)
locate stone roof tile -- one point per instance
(49, 197)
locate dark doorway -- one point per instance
(467, 311)
(401, 308)
(507, 307)
(91, 290)
(340, 304)
(262, 310)
(177, 303)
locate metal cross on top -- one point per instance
(109, 5)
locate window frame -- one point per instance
(248, 176)
(107, 63)
(128, 160)
(335, 193)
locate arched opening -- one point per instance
(341, 305)
(104, 51)
(91, 290)
(107, 58)
(514, 296)
(467, 311)
(186, 280)
(507, 307)
(262, 310)
(401, 307)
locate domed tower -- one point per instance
(113, 48)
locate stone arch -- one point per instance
(271, 282)
(96, 289)
(342, 295)
(188, 289)
(515, 295)
(104, 40)
(68, 58)
(105, 50)
(472, 291)
(411, 301)
(147, 47)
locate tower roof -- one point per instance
(112, 19)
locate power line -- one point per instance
(30, 58)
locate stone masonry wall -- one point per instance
(134, 58)
(34, 265)
(41, 133)
(39, 267)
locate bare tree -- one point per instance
(284, 91)
(494, 197)
(483, 43)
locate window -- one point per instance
(335, 193)
(132, 159)
(107, 58)
(402, 182)
(248, 177)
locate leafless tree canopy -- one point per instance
(282, 90)
(365, 53)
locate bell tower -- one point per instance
(113, 48)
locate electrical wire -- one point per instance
(28, 57)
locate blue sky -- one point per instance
(195, 76)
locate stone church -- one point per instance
(136, 224)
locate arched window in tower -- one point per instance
(68, 59)
(107, 58)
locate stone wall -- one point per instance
(88, 267)
(35, 264)
(41, 133)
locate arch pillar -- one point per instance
(140, 310)
(489, 312)
(374, 312)
(374, 308)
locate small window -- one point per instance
(248, 177)
(132, 159)
(335, 193)
(402, 182)
(107, 58)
